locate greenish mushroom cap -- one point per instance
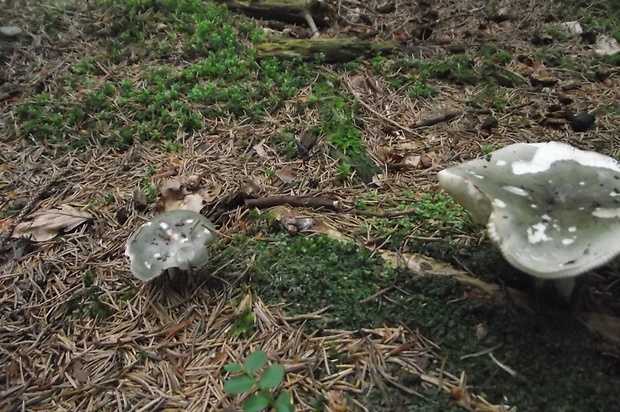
(174, 239)
(553, 210)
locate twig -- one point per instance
(382, 213)
(376, 113)
(508, 369)
(438, 118)
(375, 295)
(300, 201)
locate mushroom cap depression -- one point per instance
(553, 210)
(174, 239)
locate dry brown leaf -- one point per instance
(5, 224)
(605, 325)
(186, 193)
(78, 373)
(260, 150)
(287, 175)
(420, 265)
(398, 159)
(211, 192)
(425, 265)
(46, 225)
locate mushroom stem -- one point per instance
(173, 272)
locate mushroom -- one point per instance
(553, 210)
(174, 239)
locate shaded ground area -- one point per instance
(388, 299)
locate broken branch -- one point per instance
(295, 201)
(438, 118)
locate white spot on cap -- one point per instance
(157, 255)
(189, 221)
(533, 206)
(567, 241)
(582, 183)
(606, 213)
(147, 264)
(164, 225)
(536, 233)
(549, 153)
(185, 239)
(476, 175)
(614, 194)
(572, 229)
(516, 190)
(499, 203)
(501, 163)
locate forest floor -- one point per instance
(367, 283)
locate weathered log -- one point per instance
(333, 49)
(289, 11)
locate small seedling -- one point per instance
(265, 381)
(344, 171)
(487, 148)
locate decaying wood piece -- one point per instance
(289, 11)
(436, 119)
(334, 50)
(298, 201)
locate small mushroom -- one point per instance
(174, 239)
(553, 210)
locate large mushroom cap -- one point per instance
(554, 209)
(174, 239)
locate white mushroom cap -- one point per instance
(554, 209)
(174, 239)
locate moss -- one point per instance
(557, 361)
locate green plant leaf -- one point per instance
(233, 368)
(284, 403)
(255, 361)
(255, 403)
(271, 377)
(239, 384)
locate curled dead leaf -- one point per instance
(186, 193)
(260, 150)
(48, 224)
(605, 325)
(287, 174)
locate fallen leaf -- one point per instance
(5, 224)
(211, 192)
(572, 27)
(46, 225)
(287, 175)
(606, 45)
(605, 325)
(78, 373)
(186, 193)
(139, 199)
(419, 264)
(260, 150)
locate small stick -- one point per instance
(382, 213)
(303, 201)
(438, 118)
